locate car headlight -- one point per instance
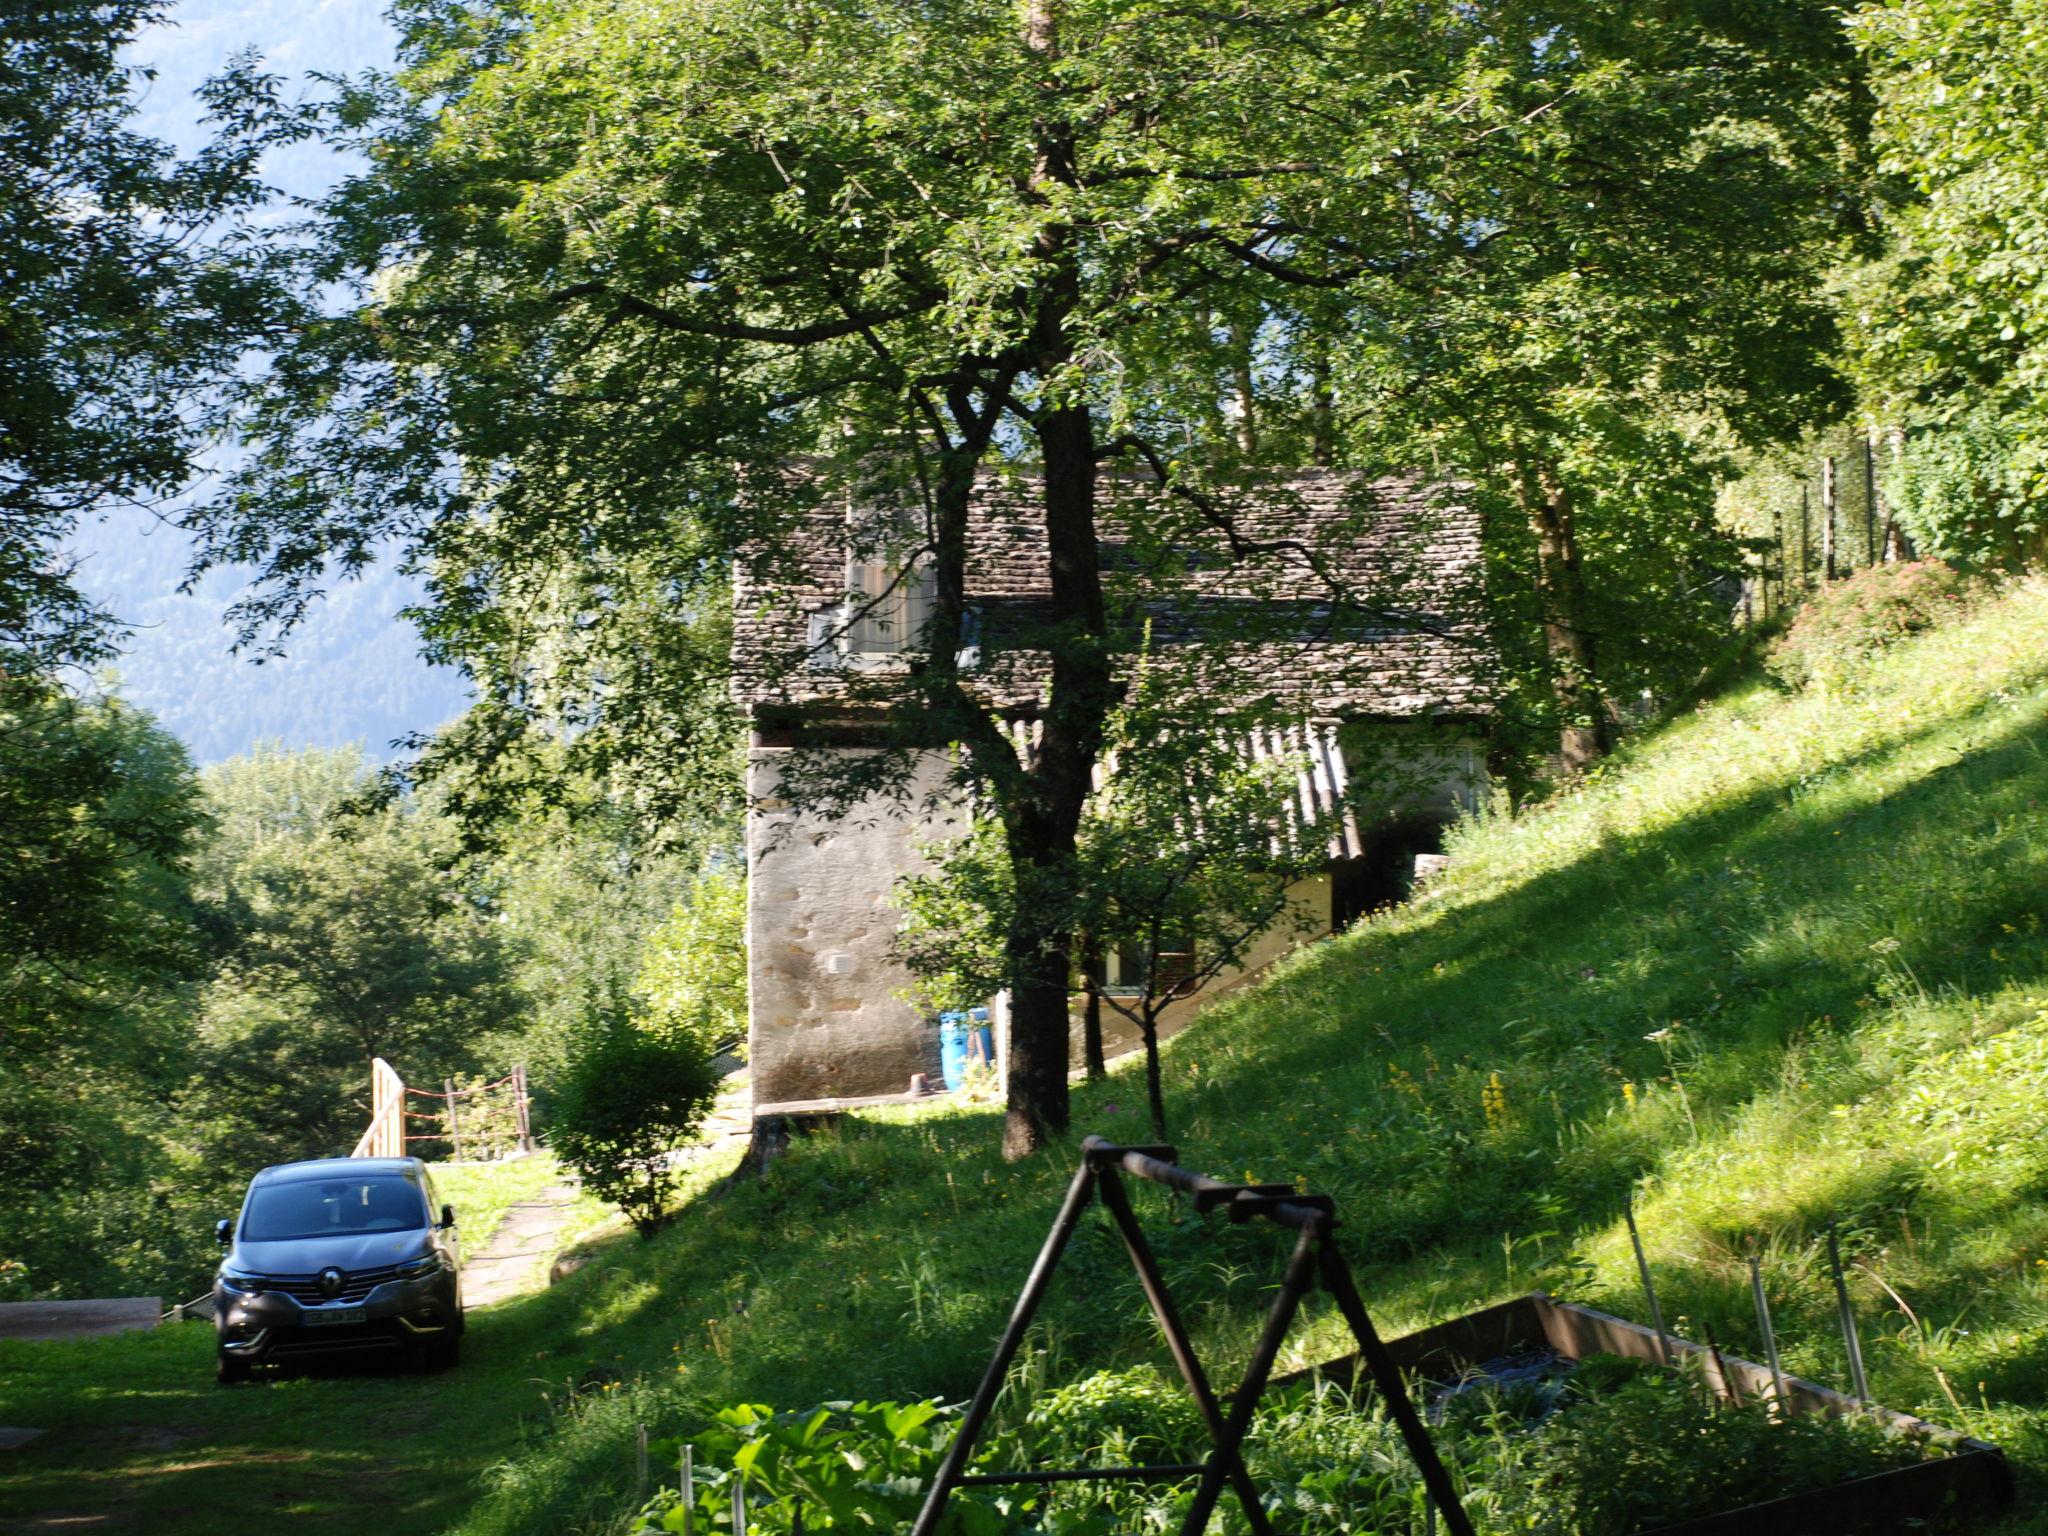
(240, 1282)
(418, 1269)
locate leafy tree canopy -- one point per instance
(135, 281)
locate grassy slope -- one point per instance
(1834, 905)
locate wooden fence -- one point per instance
(478, 1123)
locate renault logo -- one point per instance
(330, 1281)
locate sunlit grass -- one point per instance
(1782, 966)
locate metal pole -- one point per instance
(1300, 1276)
(1443, 1493)
(689, 1491)
(1763, 1322)
(1117, 1201)
(1848, 1314)
(1649, 1290)
(1079, 1193)
(1870, 496)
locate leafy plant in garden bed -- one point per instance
(1610, 1447)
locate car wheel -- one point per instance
(227, 1370)
(443, 1352)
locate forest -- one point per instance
(1704, 307)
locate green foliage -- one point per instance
(577, 891)
(342, 937)
(692, 982)
(136, 282)
(955, 915)
(628, 1103)
(1962, 490)
(846, 1465)
(1951, 325)
(1612, 1449)
(99, 814)
(1654, 1451)
(1846, 622)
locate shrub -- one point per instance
(629, 1102)
(1849, 620)
(692, 984)
(1970, 490)
(1654, 1451)
(845, 1466)
(1610, 1448)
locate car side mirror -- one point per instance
(447, 1215)
(223, 1232)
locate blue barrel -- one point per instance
(952, 1050)
(981, 1042)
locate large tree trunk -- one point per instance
(1561, 594)
(1042, 842)
(1042, 833)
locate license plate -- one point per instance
(331, 1319)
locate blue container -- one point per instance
(964, 1041)
(952, 1050)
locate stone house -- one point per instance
(1399, 699)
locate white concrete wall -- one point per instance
(825, 1018)
(1120, 1034)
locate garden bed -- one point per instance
(1971, 1477)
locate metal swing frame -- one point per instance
(1316, 1261)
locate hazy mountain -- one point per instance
(353, 674)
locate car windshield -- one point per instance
(334, 1208)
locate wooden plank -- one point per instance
(1446, 1348)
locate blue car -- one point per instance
(337, 1256)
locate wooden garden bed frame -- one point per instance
(1974, 1477)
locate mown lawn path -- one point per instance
(514, 1259)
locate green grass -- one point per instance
(1828, 910)
(482, 1193)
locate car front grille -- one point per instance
(355, 1285)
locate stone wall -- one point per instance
(825, 1017)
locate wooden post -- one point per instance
(519, 1104)
(385, 1136)
(1777, 557)
(454, 1129)
(1827, 518)
(1805, 533)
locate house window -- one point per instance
(888, 608)
(1124, 969)
(883, 619)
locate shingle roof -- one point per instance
(1343, 595)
